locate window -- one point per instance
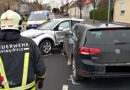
(37, 17)
(108, 37)
(122, 12)
(48, 25)
(65, 25)
(74, 22)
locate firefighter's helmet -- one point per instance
(10, 20)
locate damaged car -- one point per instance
(98, 50)
(50, 34)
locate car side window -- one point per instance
(65, 24)
(74, 22)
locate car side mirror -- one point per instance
(60, 29)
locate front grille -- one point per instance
(117, 68)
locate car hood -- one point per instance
(32, 32)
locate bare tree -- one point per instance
(104, 4)
(46, 7)
(79, 3)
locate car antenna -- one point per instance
(106, 24)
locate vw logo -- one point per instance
(117, 51)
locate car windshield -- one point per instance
(37, 17)
(108, 37)
(49, 25)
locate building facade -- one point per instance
(74, 10)
(122, 11)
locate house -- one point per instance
(64, 7)
(87, 6)
(74, 10)
(122, 11)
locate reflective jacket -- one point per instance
(20, 61)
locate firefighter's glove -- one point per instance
(40, 83)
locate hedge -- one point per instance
(101, 14)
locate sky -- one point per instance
(56, 0)
(46, 1)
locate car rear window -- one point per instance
(108, 36)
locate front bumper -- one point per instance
(32, 26)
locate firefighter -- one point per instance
(21, 63)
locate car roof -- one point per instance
(101, 25)
(63, 19)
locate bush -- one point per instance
(101, 14)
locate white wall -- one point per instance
(74, 12)
(85, 10)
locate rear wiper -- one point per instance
(119, 43)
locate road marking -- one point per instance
(73, 81)
(65, 87)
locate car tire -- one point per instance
(46, 47)
(77, 77)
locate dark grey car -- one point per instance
(98, 50)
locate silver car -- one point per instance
(51, 33)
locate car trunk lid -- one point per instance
(113, 44)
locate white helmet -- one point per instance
(10, 20)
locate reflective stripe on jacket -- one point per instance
(20, 62)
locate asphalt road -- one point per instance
(59, 77)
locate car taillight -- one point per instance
(89, 51)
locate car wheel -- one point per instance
(46, 47)
(77, 77)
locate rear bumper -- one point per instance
(89, 69)
(106, 75)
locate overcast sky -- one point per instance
(46, 1)
(55, 0)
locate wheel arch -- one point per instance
(46, 39)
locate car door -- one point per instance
(61, 29)
(69, 42)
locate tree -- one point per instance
(94, 6)
(45, 7)
(79, 3)
(54, 10)
(48, 8)
(104, 4)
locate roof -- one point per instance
(71, 3)
(74, 5)
(62, 19)
(68, 4)
(102, 25)
(64, 6)
(87, 2)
